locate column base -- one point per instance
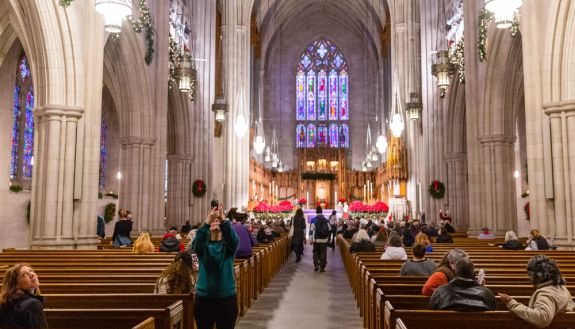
(564, 244)
(81, 243)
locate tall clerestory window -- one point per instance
(22, 126)
(322, 97)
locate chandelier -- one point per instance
(241, 124)
(414, 106)
(114, 12)
(443, 69)
(396, 125)
(381, 144)
(503, 11)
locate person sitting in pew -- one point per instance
(418, 265)
(537, 241)
(550, 298)
(421, 238)
(394, 249)
(143, 244)
(21, 306)
(380, 239)
(512, 242)
(445, 271)
(463, 293)
(361, 242)
(444, 236)
(179, 277)
(485, 234)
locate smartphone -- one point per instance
(214, 204)
(481, 275)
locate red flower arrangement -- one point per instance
(322, 204)
(341, 200)
(358, 208)
(283, 207)
(302, 201)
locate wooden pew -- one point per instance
(411, 319)
(170, 317)
(119, 301)
(146, 324)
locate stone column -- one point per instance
(497, 192)
(202, 118)
(136, 185)
(53, 224)
(431, 164)
(237, 67)
(179, 202)
(457, 187)
(406, 44)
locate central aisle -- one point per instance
(300, 298)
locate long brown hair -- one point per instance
(10, 284)
(180, 276)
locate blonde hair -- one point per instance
(143, 244)
(421, 238)
(10, 288)
(535, 233)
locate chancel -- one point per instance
(387, 119)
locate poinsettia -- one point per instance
(341, 200)
(302, 201)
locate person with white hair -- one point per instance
(512, 242)
(361, 242)
(445, 272)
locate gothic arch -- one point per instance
(129, 85)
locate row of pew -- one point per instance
(383, 296)
(113, 288)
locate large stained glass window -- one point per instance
(105, 125)
(322, 97)
(22, 125)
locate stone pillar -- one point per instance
(236, 62)
(406, 44)
(179, 201)
(497, 192)
(457, 187)
(136, 185)
(202, 121)
(52, 220)
(431, 164)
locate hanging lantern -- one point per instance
(374, 152)
(114, 12)
(503, 11)
(363, 166)
(280, 167)
(220, 108)
(414, 106)
(240, 126)
(443, 69)
(185, 73)
(267, 157)
(396, 125)
(259, 144)
(381, 144)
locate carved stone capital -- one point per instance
(52, 111)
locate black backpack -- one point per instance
(170, 244)
(321, 228)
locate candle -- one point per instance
(335, 201)
(307, 198)
(364, 192)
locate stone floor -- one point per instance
(300, 298)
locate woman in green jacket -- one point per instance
(215, 245)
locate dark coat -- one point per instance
(26, 312)
(298, 230)
(513, 245)
(463, 295)
(444, 238)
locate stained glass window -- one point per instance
(333, 135)
(22, 125)
(300, 136)
(311, 135)
(300, 98)
(105, 125)
(322, 94)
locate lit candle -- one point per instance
(364, 192)
(307, 198)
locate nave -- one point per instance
(300, 298)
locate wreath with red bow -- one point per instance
(199, 188)
(436, 189)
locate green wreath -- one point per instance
(199, 188)
(436, 189)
